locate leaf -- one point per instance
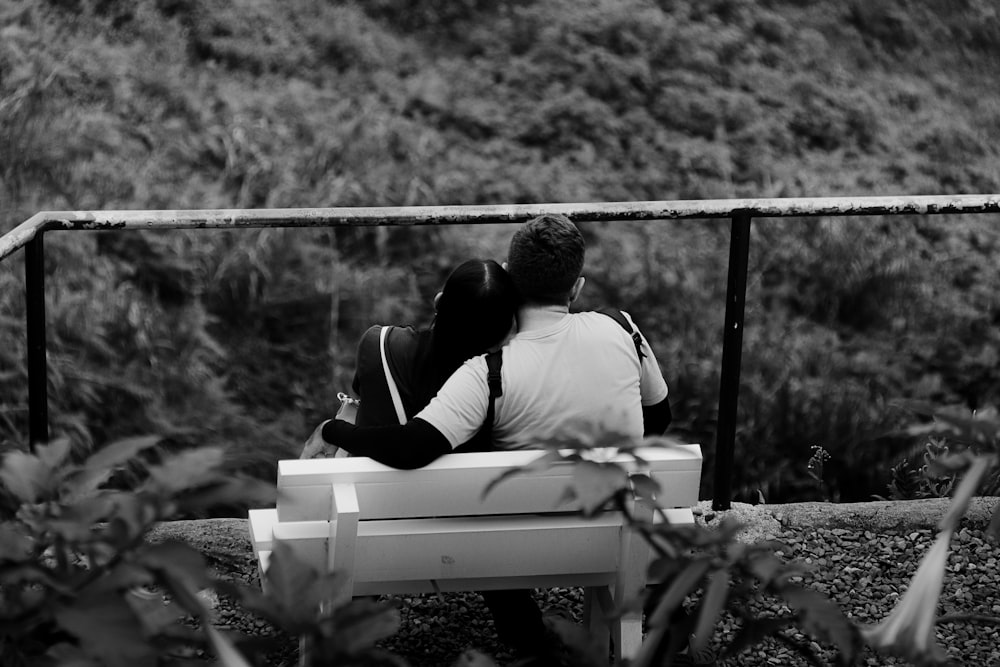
(994, 528)
(133, 516)
(122, 577)
(76, 523)
(802, 648)
(539, 464)
(230, 491)
(595, 483)
(663, 568)
(644, 486)
(99, 467)
(711, 605)
(473, 658)
(290, 582)
(766, 566)
(120, 451)
(107, 629)
(25, 476)
(224, 649)
(67, 655)
(54, 453)
(678, 589)
(361, 623)
(153, 612)
(15, 545)
(963, 494)
(187, 470)
(822, 618)
(754, 630)
(183, 566)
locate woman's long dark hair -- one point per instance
(475, 312)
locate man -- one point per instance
(559, 368)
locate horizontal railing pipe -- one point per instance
(491, 214)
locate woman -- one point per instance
(474, 312)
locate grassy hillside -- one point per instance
(245, 337)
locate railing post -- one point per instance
(34, 299)
(732, 353)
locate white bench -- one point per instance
(418, 531)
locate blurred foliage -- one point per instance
(241, 339)
(696, 575)
(79, 582)
(947, 436)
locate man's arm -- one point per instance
(656, 414)
(412, 445)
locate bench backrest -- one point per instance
(453, 485)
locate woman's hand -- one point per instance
(316, 446)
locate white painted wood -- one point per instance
(305, 503)
(485, 547)
(344, 535)
(261, 526)
(630, 581)
(387, 493)
(296, 472)
(421, 586)
(308, 540)
(597, 608)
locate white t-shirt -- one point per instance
(583, 369)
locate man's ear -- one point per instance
(437, 298)
(503, 265)
(577, 287)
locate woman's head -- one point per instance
(475, 311)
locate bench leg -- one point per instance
(630, 584)
(626, 633)
(598, 608)
(594, 612)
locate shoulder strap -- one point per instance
(494, 362)
(397, 402)
(619, 317)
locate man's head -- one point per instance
(545, 260)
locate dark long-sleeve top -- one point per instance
(422, 443)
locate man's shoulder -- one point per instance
(606, 318)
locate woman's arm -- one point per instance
(656, 418)
(412, 445)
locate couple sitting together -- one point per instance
(504, 365)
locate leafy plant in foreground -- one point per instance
(710, 573)
(705, 572)
(79, 583)
(310, 605)
(909, 629)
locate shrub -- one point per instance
(74, 565)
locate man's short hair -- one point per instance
(545, 259)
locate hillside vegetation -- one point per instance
(244, 338)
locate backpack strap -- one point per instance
(494, 362)
(619, 317)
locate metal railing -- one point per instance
(29, 235)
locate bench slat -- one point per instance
(428, 543)
(386, 493)
(292, 472)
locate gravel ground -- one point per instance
(864, 571)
